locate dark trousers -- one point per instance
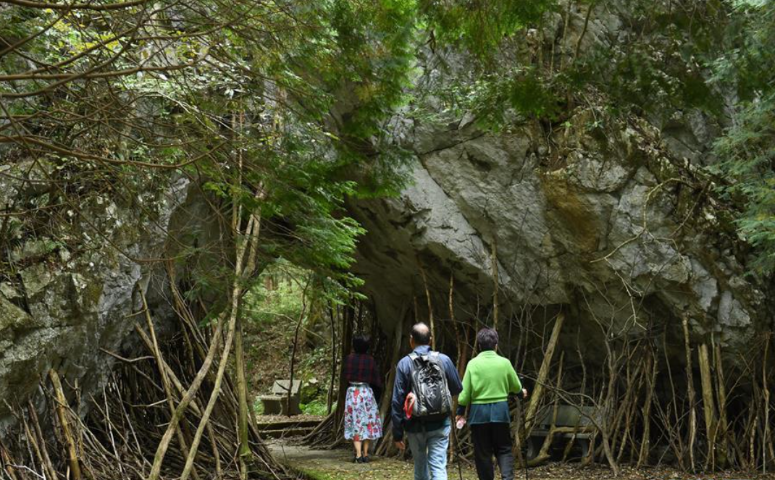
(493, 439)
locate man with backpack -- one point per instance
(425, 383)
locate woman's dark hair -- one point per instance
(361, 344)
(487, 338)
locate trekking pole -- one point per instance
(456, 439)
(522, 420)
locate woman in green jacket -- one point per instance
(487, 383)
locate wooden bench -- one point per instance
(277, 402)
(571, 422)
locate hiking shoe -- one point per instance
(365, 459)
(358, 460)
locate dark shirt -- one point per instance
(359, 367)
(403, 386)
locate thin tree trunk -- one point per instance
(722, 407)
(590, 7)
(543, 372)
(709, 408)
(394, 358)
(387, 394)
(213, 397)
(163, 374)
(582, 390)
(61, 408)
(242, 248)
(450, 305)
(541, 43)
(7, 462)
(32, 440)
(244, 452)
(495, 282)
(39, 432)
(242, 396)
(330, 399)
(646, 438)
(564, 35)
(240, 272)
(430, 307)
(767, 440)
(543, 454)
(347, 336)
(303, 312)
(630, 404)
(690, 389)
(675, 438)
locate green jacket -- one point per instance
(489, 378)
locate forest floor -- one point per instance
(337, 465)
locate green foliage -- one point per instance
(654, 77)
(285, 290)
(748, 153)
(317, 407)
(258, 406)
(747, 150)
(481, 27)
(502, 79)
(284, 300)
(240, 96)
(659, 61)
(524, 91)
(746, 63)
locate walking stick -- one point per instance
(522, 419)
(520, 413)
(456, 440)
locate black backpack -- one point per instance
(429, 385)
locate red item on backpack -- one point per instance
(409, 405)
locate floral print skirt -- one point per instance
(361, 417)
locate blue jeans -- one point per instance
(429, 449)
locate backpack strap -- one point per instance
(413, 356)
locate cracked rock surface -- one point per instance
(614, 230)
(65, 309)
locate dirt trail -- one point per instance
(337, 465)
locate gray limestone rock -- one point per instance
(604, 231)
(67, 307)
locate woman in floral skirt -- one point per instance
(362, 422)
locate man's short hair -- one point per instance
(487, 339)
(421, 334)
(361, 343)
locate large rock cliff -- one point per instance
(74, 291)
(611, 224)
(613, 218)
